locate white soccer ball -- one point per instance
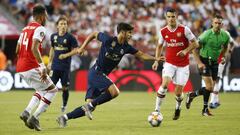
(155, 119)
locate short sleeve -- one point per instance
(202, 38)
(39, 33)
(74, 42)
(160, 39)
(188, 34)
(103, 37)
(131, 49)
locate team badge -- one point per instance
(42, 34)
(113, 44)
(65, 41)
(179, 34)
(55, 39)
(122, 51)
(166, 36)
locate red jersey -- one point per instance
(26, 60)
(175, 41)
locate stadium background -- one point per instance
(127, 114)
(86, 16)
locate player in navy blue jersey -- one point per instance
(101, 89)
(63, 47)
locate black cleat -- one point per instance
(62, 121)
(24, 117)
(34, 122)
(176, 114)
(189, 100)
(206, 112)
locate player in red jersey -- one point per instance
(179, 41)
(31, 68)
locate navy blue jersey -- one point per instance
(62, 44)
(111, 52)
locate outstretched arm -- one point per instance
(69, 54)
(158, 53)
(145, 56)
(86, 42)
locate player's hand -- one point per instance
(62, 56)
(161, 58)
(80, 51)
(155, 65)
(223, 60)
(182, 53)
(201, 66)
(43, 75)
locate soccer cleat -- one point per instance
(206, 112)
(189, 100)
(63, 109)
(24, 117)
(34, 122)
(87, 109)
(176, 114)
(214, 105)
(62, 121)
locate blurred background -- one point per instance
(147, 17)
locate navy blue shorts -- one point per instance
(211, 69)
(63, 75)
(98, 82)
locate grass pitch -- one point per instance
(125, 115)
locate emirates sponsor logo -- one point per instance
(175, 44)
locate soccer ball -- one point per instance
(155, 119)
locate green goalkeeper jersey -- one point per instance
(212, 43)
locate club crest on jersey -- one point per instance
(113, 44)
(55, 39)
(122, 51)
(179, 34)
(65, 41)
(42, 34)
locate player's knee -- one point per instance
(115, 93)
(65, 89)
(210, 88)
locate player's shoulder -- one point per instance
(225, 33)
(164, 28)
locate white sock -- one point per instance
(65, 116)
(214, 94)
(179, 101)
(45, 102)
(33, 102)
(160, 100)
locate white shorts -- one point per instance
(32, 78)
(179, 75)
(220, 70)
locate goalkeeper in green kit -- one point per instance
(212, 43)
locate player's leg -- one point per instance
(65, 80)
(167, 74)
(180, 80)
(214, 101)
(206, 94)
(50, 91)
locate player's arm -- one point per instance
(144, 56)
(87, 41)
(69, 54)
(51, 55)
(18, 44)
(196, 56)
(35, 45)
(158, 51)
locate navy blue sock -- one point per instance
(206, 95)
(78, 112)
(65, 95)
(103, 98)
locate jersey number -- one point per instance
(24, 39)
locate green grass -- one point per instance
(125, 115)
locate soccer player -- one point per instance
(32, 69)
(179, 41)
(101, 89)
(213, 42)
(63, 47)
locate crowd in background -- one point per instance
(147, 17)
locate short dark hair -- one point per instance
(62, 17)
(170, 10)
(218, 16)
(124, 27)
(38, 9)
